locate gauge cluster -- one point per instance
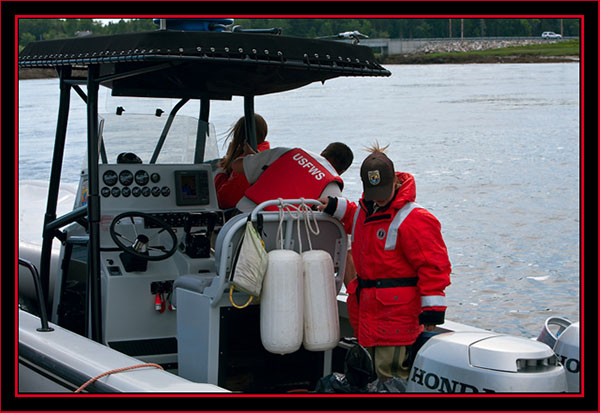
(142, 187)
(135, 183)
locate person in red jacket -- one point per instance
(229, 184)
(401, 261)
(293, 173)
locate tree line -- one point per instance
(45, 29)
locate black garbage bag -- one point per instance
(336, 383)
(391, 385)
(358, 373)
(358, 366)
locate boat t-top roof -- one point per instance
(209, 65)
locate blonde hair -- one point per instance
(376, 148)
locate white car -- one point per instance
(551, 35)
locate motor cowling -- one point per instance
(482, 362)
(567, 350)
(565, 343)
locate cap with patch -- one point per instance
(377, 174)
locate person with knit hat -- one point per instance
(401, 260)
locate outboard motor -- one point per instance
(565, 343)
(485, 362)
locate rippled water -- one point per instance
(494, 150)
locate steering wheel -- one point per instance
(140, 246)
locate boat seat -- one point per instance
(199, 282)
(192, 282)
(331, 238)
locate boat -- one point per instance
(129, 291)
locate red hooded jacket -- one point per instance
(402, 266)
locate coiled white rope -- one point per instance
(303, 211)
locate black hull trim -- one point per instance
(63, 375)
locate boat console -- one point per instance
(166, 257)
(156, 224)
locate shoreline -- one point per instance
(421, 58)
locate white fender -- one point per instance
(282, 302)
(321, 323)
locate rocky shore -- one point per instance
(427, 54)
(476, 45)
(421, 59)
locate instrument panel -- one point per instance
(136, 184)
(183, 196)
(152, 187)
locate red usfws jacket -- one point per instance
(294, 175)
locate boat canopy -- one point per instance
(209, 65)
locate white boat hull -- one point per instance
(61, 361)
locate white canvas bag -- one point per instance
(251, 265)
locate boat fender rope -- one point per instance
(93, 379)
(303, 211)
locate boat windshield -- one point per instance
(138, 129)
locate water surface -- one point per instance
(494, 150)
